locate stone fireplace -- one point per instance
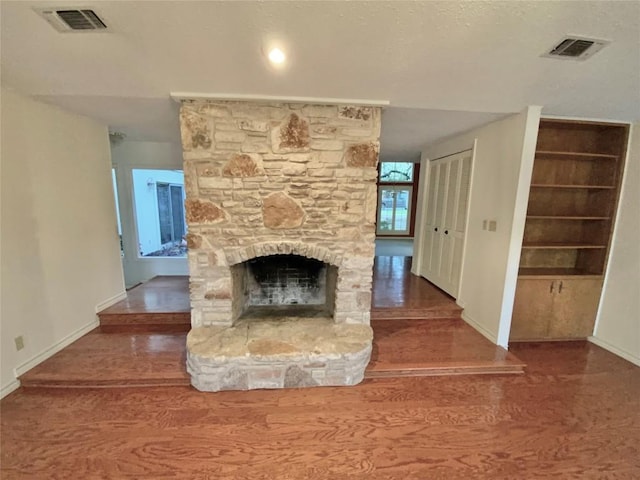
(281, 205)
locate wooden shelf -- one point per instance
(559, 155)
(533, 272)
(586, 187)
(565, 217)
(570, 213)
(561, 245)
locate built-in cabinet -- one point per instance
(572, 204)
(445, 220)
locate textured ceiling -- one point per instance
(475, 60)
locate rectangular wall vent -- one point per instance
(576, 48)
(73, 20)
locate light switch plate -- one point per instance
(493, 225)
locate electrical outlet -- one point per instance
(19, 342)
(493, 225)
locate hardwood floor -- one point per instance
(114, 360)
(159, 305)
(435, 347)
(162, 304)
(397, 293)
(400, 348)
(141, 340)
(575, 414)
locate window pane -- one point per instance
(396, 172)
(394, 210)
(164, 213)
(159, 209)
(177, 212)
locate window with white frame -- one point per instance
(159, 208)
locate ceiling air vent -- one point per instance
(73, 20)
(576, 48)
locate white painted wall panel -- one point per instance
(60, 257)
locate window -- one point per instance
(159, 208)
(396, 212)
(396, 172)
(170, 212)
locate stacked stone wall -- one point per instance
(263, 179)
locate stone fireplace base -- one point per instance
(278, 353)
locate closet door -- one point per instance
(446, 218)
(431, 254)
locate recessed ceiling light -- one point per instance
(277, 56)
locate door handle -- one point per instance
(551, 286)
(560, 287)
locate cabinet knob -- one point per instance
(435, 229)
(446, 232)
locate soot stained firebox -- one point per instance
(287, 285)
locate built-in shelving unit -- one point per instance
(572, 203)
(573, 197)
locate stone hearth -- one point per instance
(278, 353)
(279, 180)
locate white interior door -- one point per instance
(445, 222)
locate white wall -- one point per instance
(60, 259)
(502, 164)
(618, 322)
(126, 157)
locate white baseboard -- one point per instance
(615, 350)
(111, 301)
(485, 333)
(7, 389)
(55, 348)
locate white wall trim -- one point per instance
(585, 119)
(465, 238)
(518, 218)
(111, 301)
(55, 348)
(180, 96)
(615, 350)
(10, 387)
(491, 336)
(616, 228)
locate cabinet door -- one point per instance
(575, 305)
(532, 309)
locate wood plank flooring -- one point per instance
(397, 293)
(575, 414)
(162, 304)
(435, 347)
(159, 305)
(114, 360)
(400, 348)
(141, 340)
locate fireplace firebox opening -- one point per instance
(283, 286)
